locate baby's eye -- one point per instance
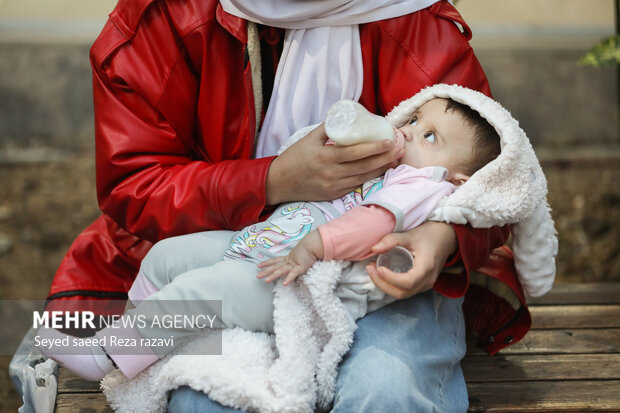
(430, 137)
(413, 121)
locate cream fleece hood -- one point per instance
(511, 189)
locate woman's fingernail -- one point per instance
(387, 143)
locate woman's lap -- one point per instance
(405, 357)
(187, 400)
(413, 349)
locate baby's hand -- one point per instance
(297, 262)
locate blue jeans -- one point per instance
(405, 358)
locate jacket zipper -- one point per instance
(89, 293)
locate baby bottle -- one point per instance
(348, 122)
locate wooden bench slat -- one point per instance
(569, 341)
(68, 382)
(82, 403)
(568, 362)
(575, 316)
(550, 367)
(590, 293)
(545, 396)
(550, 396)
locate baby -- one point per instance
(445, 142)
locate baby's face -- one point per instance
(436, 137)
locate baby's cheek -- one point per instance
(410, 158)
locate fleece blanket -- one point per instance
(291, 371)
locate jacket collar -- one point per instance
(233, 24)
(127, 14)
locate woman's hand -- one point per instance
(311, 171)
(430, 243)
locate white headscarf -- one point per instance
(321, 62)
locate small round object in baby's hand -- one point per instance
(398, 259)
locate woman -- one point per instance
(182, 89)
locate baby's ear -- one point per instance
(458, 179)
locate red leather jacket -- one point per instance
(175, 122)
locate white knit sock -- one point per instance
(90, 363)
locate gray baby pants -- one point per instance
(212, 265)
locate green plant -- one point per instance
(604, 53)
(607, 51)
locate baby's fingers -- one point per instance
(292, 275)
(270, 266)
(276, 273)
(265, 273)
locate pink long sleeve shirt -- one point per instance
(400, 201)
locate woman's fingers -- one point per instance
(355, 162)
(343, 177)
(362, 150)
(401, 285)
(430, 243)
(313, 171)
(390, 241)
(382, 284)
(350, 183)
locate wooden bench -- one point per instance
(568, 362)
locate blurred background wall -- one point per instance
(529, 49)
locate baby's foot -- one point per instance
(90, 363)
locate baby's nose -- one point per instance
(407, 133)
